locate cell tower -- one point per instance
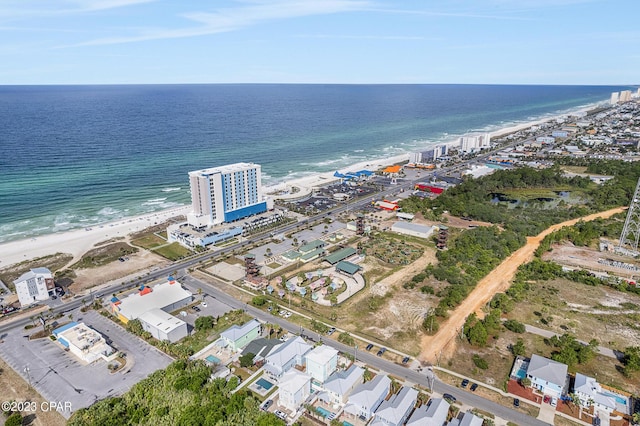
(631, 231)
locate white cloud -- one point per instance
(231, 19)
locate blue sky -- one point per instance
(320, 41)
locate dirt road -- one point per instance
(442, 344)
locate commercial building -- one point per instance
(35, 285)
(163, 326)
(412, 229)
(84, 342)
(225, 194)
(168, 297)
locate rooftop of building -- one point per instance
(158, 296)
(161, 320)
(227, 168)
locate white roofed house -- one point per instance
(35, 285)
(340, 384)
(434, 413)
(285, 356)
(367, 397)
(546, 375)
(295, 388)
(591, 394)
(237, 337)
(395, 410)
(468, 419)
(321, 362)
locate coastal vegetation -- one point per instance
(54, 262)
(183, 395)
(104, 254)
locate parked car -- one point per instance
(450, 398)
(331, 331)
(381, 351)
(280, 414)
(474, 386)
(369, 346)
(554, 402)
(287, 314)
(268, 403)
(464, 383)
(405, 360)
(516, 402)
(204, 304)
(546, 399)
(195, 308)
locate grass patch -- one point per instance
(173, 251)
(148, 241)
(274, 265)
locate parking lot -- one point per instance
(59, 376)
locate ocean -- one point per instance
(75, 156)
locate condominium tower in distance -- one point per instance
(225, 194)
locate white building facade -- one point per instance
(35, 285)
(321, 362)
(225, 194)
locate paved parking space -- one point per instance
(59, 376)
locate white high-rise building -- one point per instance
(625, 96)
(473, 143)
(225, 194)
(615, 96)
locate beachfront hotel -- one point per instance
(225, 194)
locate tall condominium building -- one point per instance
(615, 97)
(430, 155)
(474, 143)
(625, 96)
(225, 194)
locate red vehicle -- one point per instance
(547, 398)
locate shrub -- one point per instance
(480, 362)
(515, 326)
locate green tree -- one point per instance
(478, 334)
(515, 326)
(204, 323)
(525, 381)
(518, 348)
(480, 362)
(135, 327)
(631, 360)
(15, 419)
(246, 360)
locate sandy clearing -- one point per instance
(442, 344)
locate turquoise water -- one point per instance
(86, 155)
(323, 411)
(619, 399)
(213, 359)
(346, 423)
(264, 384)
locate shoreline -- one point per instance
(78, 241)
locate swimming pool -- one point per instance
(264, 384)
(213, 359)
(323, 411)
(618, 398)
(346, 423)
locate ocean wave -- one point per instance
(171, 189)
(108, 211)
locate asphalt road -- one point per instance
(423, 378)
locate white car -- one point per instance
(287, 314)
(204, 304)
(554, 401)
(280, 414)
